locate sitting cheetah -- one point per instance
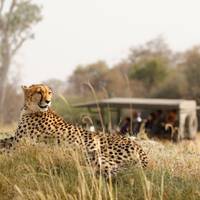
(109, 151)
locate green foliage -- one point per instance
(191, 69)
(150, 72)
(146, 67)
(64, 108)
(24, 16)
(156, 48)
(175, 86)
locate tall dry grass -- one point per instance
(50, 172)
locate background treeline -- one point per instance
(150, 70)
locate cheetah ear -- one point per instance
(24, 88)
(51, 89)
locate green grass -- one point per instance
(47, 172)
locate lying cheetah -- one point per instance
(37, 121)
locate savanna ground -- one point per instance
(49, 172)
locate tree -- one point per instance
(116, 84)
(13, 103)
(156, 48)
(93, 73)
(149, 63)
(16, 20)
(175, 86)
(191, 69)
(150, 72)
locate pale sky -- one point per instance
(83, 31)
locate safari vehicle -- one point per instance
(186, 110)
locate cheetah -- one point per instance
(107, 152)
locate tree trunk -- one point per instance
(5, 64)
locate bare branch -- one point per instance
(1, 23)
(12, 6)
(15, 36)
(18, 45)
(1, 6)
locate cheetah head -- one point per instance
(37, 97)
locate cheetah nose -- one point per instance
(47, 101)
